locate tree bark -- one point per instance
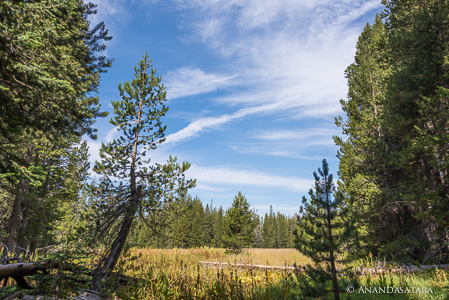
(18, 271)
(108, 265)
(13, 223)
(331, 245)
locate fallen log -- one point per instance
(18, 294)
(404, 269)
(246, 266)
(18, 272)
(411, 269)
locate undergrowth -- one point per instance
(177, 274)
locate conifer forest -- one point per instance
(132, 230)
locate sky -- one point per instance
(253, 88)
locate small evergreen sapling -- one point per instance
(322, 233)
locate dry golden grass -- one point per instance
(271, 257)
(177, 273)
(277, 257)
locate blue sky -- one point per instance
(253, 87)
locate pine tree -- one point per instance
(180, 224)
(207, 226)
(392, 164)
(142, 188)
(269, 230)
(320, 233)
(49, 65)
(369, 178)
(282, 236)
(196, 234)
(218, 228)
(238, 224)
(258, 234)
(417, 101)
(291, 229)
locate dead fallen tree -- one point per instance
(411, 269)
(246, 266)
(18, 272)
(403, 269)
(83, 295)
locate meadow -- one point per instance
(177, 274)
(181, 274)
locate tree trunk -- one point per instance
(13, 223)
(17, 272)
(106, 266)
(331, 250)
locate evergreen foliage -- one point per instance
(130, 184)
(238, 224)
(392, 164)
(185, 216)
(49, 65)
(418, 104)
(321, 232)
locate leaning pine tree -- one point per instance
(321, 234)
(130, 186)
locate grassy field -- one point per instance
(271, 257)
(176, 274)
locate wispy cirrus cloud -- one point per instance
(193, 81)
(288, 143)
(227, 176)
(285, 134)
(290, 54)
(204, 124)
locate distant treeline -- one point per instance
(192, 224)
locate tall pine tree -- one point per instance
(142, 188)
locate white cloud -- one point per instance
(200, 125)
(188, 81)
(290, 54)
(110, 11)
(294, 134)
(206, 187)
(288, 143)
(227, 176)
(94, 151)
(111, 135)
